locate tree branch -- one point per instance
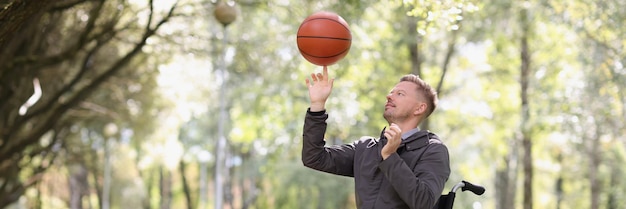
(58, 111)
(16, 14)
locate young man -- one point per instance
(404, 168)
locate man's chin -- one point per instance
(387, 116)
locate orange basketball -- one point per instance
(324, 38)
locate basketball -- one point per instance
(324, 38)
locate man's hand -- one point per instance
(320, 87)
(394, 137)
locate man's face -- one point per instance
(402, 102)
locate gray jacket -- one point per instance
(414, 177)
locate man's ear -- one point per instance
(420, 109)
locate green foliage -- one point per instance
(165, 101)
(437, 15)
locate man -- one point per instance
(404, 168)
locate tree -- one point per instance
(600, 34)
(526, 138)
(32, 58)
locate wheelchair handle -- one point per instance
(465, 185)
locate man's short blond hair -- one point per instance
(425, 90)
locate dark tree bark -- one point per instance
(527, 161)
(595, 158)
(17, 13)
(79, 186)
(186, 189)
(415, 54)
(506, 178)
(165, 188)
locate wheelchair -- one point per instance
(447, 200)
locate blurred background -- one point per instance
(200, 104)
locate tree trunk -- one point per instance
(506, 178)
(614, 181)
(525, 123)
(221, 169)
(165, 188)
(559, 183)
(186, 189)
(106, 182)
(595, 156)
(149, 179)
(38, 202)
(78, 185)
(414, 47)
(204, 184)
(446, 62)
(249, 191)
(98, 188)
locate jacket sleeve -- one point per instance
(421, 186)
(336, 159)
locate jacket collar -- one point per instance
(417, 140)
